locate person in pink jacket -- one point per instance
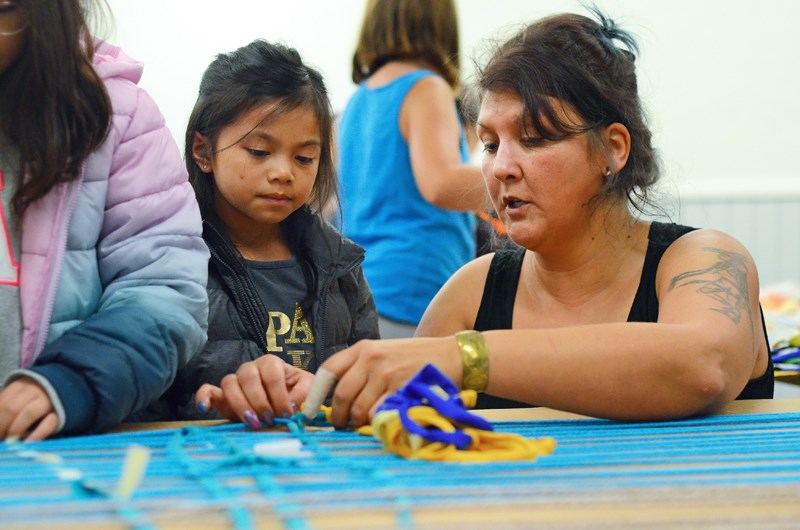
(102, 264)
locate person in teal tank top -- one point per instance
(408, 191)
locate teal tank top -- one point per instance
(412, 247)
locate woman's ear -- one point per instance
(618, 140)
(201, 152)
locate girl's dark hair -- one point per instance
(408, 29)
(55, 109)
(255, 75)
(252, 76)
(589, 66)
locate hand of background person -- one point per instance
(259, 391)
(370, 370)
(26, 411)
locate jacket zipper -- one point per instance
(320, 349)
(47, 313)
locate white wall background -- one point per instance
(720, 78)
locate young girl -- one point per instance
(102, 264)
(407, 189)
(282, 281)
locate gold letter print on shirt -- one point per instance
(300, 358)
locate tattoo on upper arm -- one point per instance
(724, 282)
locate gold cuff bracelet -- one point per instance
(475, 360)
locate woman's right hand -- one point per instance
(370, 370)
(258, 392)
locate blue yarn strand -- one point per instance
(215, 468)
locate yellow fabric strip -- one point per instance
(136, 459)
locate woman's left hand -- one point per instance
(25, 407)
(370, 370)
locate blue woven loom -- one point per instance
(601, 471)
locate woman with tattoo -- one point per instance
(598, 311)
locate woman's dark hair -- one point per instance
(408, 29)
(55, 109)
(589, 66)
(234, 83)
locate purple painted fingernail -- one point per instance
(269, 419)
(251, 419)
(202, 407)
(294, 406)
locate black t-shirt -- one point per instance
(281, 287)
(497, 305)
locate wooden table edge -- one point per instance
(751, 406)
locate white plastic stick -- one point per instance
(323, 382)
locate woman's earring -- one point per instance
(608, 174)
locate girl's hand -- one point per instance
(370, 370)
(25, 407)
(258, 392)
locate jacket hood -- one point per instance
(110, 61)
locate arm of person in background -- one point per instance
(153, 263)
(429, 123)
(706, 345)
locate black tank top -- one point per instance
(497, 305)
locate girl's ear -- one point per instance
(618, 140)
(201, 153)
